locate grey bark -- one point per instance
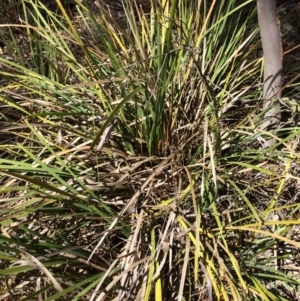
(272, 49)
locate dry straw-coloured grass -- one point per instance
(129, 175)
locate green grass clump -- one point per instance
(131, 165)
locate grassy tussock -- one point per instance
(131, 163)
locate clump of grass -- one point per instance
(131, 164)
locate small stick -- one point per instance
(106, 134)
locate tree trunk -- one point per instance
(272, 49)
